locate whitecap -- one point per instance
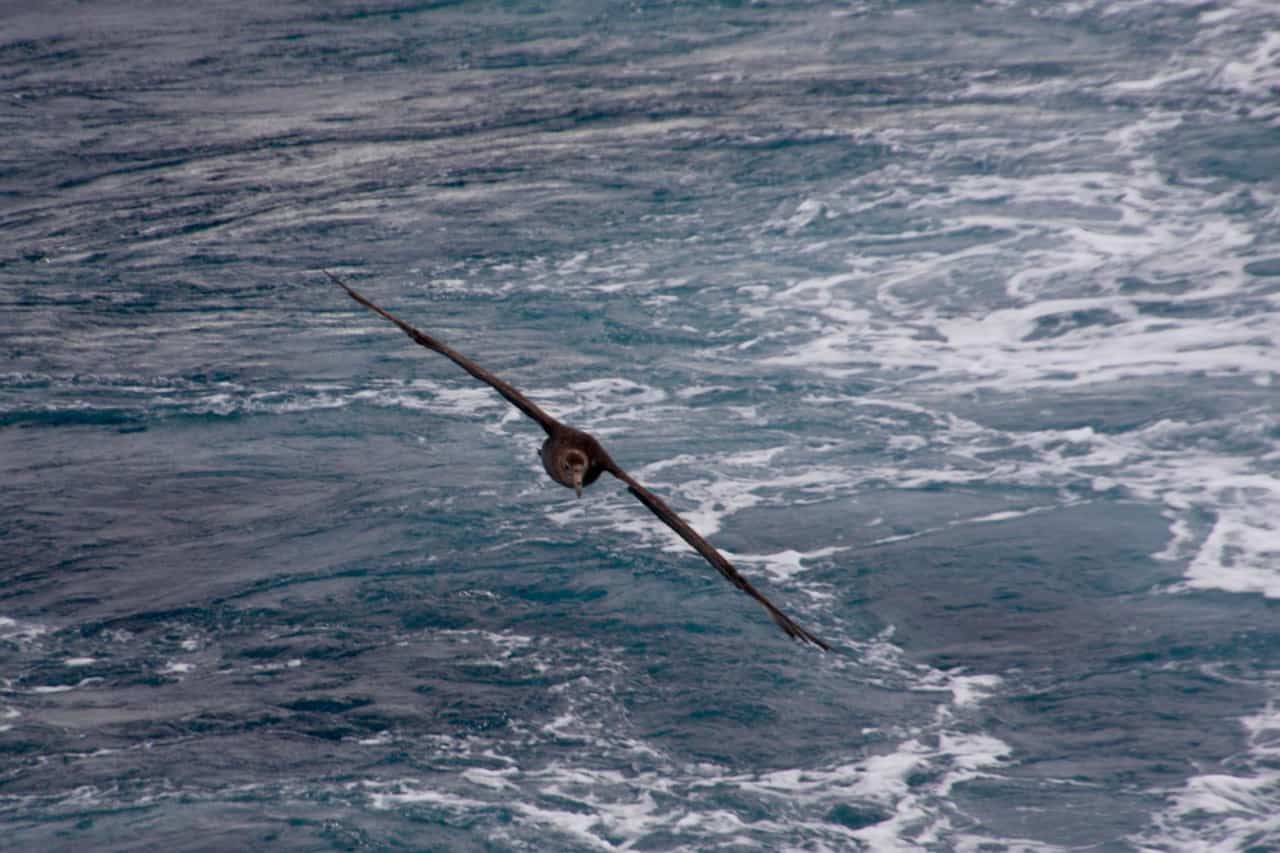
(64, 688)
(1234, 810)
(12, 629)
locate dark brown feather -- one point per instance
(668, 517)
(513, 396)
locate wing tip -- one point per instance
(821, 644)
(801, 635)
(363, 300)
(333, 278)
(794, 631)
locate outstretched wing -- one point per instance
(513, 396)
(714, 557)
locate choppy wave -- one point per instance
(1238, 809)
(954, 325)
(614, 790)
(583, 775)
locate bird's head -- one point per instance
(573, 469)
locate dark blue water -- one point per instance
(955, 325)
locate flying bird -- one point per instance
(575, 459)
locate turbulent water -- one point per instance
(956, 325)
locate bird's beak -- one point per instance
(577, 481)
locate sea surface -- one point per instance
(955, 325)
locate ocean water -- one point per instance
(956, 325)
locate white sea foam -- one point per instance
(12, 629)
(411, 792)
(933, 477)
(380, 739)
(969, 690)
(460, 398)
(499, 649)
(617, 391)
(620, 790)
(8, 713)
(1256, 74)
(1107, 275)
(486, 778)
(1191, 470)
(64, 688)
(611, 810)
(277, 666)
(1236, 809)
(785, 565)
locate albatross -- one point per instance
(576, 459)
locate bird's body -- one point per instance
(576, 459)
